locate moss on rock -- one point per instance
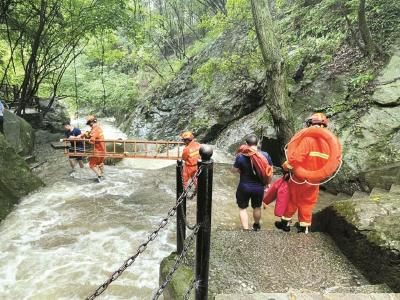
(181, 280)
(366, 229)
(16, 180)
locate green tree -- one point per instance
(275, 92)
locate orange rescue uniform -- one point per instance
(99, 147)
(311, 152)
(190, 155)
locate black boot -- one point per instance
(283, 225)
(302, 229)
(256, 227)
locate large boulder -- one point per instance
(16, 180)
(388, 84)
(366, 229)
(18, 133)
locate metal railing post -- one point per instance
(204, 203)
(180, 221)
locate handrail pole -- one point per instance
(181, 211)
(204, 204)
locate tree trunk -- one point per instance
(370, 46)
(274, 87)
(32, 59)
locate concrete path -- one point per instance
(310, 296)
(273, 261)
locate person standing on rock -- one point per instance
(71, 133)
(251, 186)
(190, 156)
(96, 137)
(1, 117)
(311, 152)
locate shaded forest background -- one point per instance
(109, 55)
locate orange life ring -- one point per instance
(333, 158)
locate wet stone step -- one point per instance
(358, 194)
(309, 296)
(395, 189)
(378, 192)
(273, 261)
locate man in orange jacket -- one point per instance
(304, 196)
(190, 156)
(96, 137)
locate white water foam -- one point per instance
(64, 240)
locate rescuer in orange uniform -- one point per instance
(96, 137)
(190, 156)
(311, 152)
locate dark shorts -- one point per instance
(244, 193)
(75, 157)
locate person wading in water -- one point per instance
(96, 137)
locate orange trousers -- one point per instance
(303, 198)
(188, 172)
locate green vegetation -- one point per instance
(112, 54)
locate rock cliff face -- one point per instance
(369, 132)
(184, 104)
(16, 180)
(371, 135)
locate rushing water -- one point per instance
(63, 240)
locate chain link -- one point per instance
(114, 276)
(188, 243)
(189, 290)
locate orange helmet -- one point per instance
(187, 135)
(91, 119)
(317, 119)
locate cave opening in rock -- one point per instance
(272, 147)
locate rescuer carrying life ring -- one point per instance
(313, 154)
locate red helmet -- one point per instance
(317, 119)
(187, 135)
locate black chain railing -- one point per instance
(201, 230)
(143, 246)
(179, 261)
(188, 292)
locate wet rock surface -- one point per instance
(18, 133)
(273, 261)
(366, 230)
(309, 296)
(184, 104)
(16, 180)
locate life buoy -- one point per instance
(332, 159)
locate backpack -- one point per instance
(259, 163)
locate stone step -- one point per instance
(308, 296)
(363, 289)
(274, 261)
(29, 159)
(359, 194)
(378, 192)
(395, 189)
